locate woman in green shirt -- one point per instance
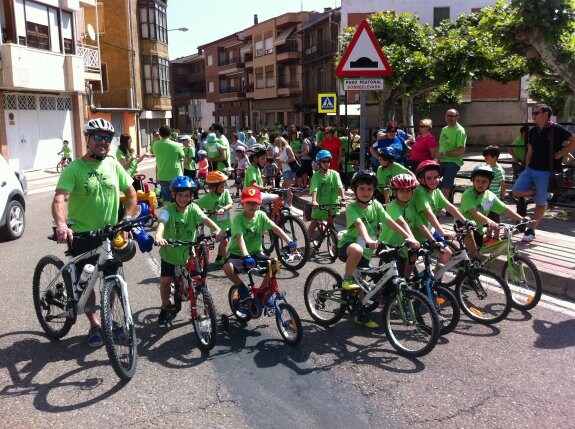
(126, 155)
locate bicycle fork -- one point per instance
(125, 297)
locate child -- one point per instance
(66, 152)
(388, 168)
(202, 165)
(178, 220)
(491, 155)
(241, 167)
(271, 171)
(190, 168)
(363, 218)
(218, 202)
(246, 240)
(253, 176)
(325, 188)
(477, 203)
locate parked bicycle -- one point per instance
(410, 321)
(266, 301)
(190, 284)
(325, 230)
(59, 297)
(293, 226)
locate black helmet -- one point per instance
(483, 170)
(364, 176)
(256, 149)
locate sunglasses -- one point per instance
(535, 113)
(99, 138)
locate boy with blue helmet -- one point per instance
(387, 170)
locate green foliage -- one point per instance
(553, 92)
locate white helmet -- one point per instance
(98, 124)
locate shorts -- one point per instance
(538, 179)
(448, 172)
(306, 168)
(238, 261)
(165, 191)
(267, 198)
(288, 175)
(363, 263)
(439, 238)
(167, 269)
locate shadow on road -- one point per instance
(554, 335)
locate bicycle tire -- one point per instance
(525, 294)
(119, 333)
(59, 167)
(296, 231)
(331, 243)
(205, 324)
(52, 298)
(323, 296)
(234, 301)
(203, 259)
(419, 334)
(447, 309)
(290, 327)
(483, 296)
(268, 242)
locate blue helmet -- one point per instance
(323, 154)
(183, 183)
(388, 153)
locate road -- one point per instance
(517, 374)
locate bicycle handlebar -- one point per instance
(176, 243)
(108, 231)
(283, 191)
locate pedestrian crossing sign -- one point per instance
(326, 103)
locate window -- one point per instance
(210, 86)
(259, 45)
(156, 75)
(37, 35)
(210, 60)
(269, 42)
(96, 83)
(153, 23)
(259, 78)
(440, 14)
(270, 81)
(67, 32)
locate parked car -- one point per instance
(13, 188)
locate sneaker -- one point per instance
(270, 303)
(350, 284)
(529, 235)
(244, 293)
(550, 196)
(95, 337)
(165, 316)
(117, 330)
(220, 261)
(368, 323)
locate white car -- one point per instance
(12, 202)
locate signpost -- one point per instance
(363, 59)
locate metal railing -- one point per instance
(91, 58)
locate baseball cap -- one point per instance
(251, 194)
(212, 138)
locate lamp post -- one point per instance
(184, 29)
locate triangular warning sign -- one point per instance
(327, 103)
(363, 56)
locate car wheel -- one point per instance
(15, 221)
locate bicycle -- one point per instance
(59, 297)
(239, 181)
(410, 321)
(63, 163)
(190, 284)
(266, 301)
(204, 243)
(294, 227)
(325, 230)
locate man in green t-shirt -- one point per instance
(88, 197)
(169, 161)
(216, 153)
(452, 142)
(224, 143)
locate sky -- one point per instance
(215, 19)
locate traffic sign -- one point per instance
(363, 56)
(373, 84)
(326, 103)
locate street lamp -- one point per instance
(184, 29)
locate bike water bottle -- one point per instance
(85, 276)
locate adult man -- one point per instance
(451, 149)
(169, 161)
(88, 197)
(251, 139)
(544, 142)
(219, 130)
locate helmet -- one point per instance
(257, 149)
(403, 181)
(426, 165)
(366, 176)
(98, 124)
(323, 154)
(216, 177)
(388, 153)
(183, 183)
(240, 148)
(123, 250)
(202, 153)
(483, 170)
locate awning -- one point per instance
(282, 37)
(246, 49)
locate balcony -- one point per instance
(232, 92)
(91, 57)
(287, 88)
(318, 51)
(287, 52)
(230, 66)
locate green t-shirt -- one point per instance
(94, 189)
(518, 148)
(295, 145)
(213, 149)
(132, 169)
(252, 232)
(452, 138)
(484, 204)
(397, 212)
(328, 192)
(189, 158)
(66, 152)
(168, 155)
(212, 202)
(253, 173)
(181, 226)
(495, 186)
(346, 146)
(424, 200)
(372, 217)
(384, 175)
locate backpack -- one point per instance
(313, 148)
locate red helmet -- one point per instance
(403, 181)
(428, 164)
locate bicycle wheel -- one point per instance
(447, 309)
(524, 280)
(59, 167)
(268, 239)
(118, 331)
(483, 296)
(52, 293)
(234, 301)
(416, 332)
(323, 296)
(296, 231)
(451, 275)
(203, 260)
(205, 323)
(289, 324)
(331, 243)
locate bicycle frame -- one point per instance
(389, 272)
(456, 259)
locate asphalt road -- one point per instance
(517, 374)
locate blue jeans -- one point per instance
(448, 172)
(165, 190)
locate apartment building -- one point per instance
(49, 51)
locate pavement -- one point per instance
(553, 250)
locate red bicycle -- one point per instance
(64, 162)
(325, 230)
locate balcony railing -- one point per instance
(230, 89)
(91, 58)
(227, 61)
(289, 46)
(319, 50)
